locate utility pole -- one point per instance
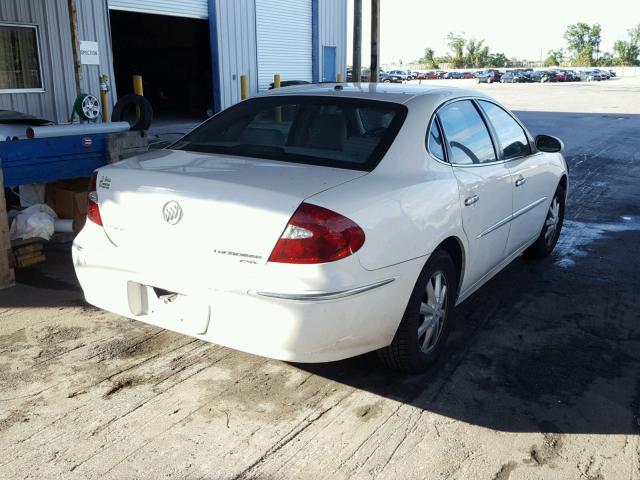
(356, 67)
(75, 43)
(375, 43)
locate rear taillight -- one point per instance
(317, 235)
(93, 209)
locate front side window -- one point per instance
(467, 135)
(511, 135)
(19, 58)
(327, 131)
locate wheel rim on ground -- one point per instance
(551, 223)
(433, 311)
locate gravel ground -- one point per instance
(540, 380)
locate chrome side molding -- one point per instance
(321, 296)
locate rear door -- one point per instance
(484, 184)
(533, 183)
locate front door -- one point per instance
(329, 64)
(533, 183)
(484, 184)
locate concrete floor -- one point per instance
(540, 380)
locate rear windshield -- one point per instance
(329, 131)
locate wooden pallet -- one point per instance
(7, 278)
(26, 253)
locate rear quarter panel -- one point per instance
(408, 204)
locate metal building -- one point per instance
(191, 53)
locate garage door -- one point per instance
(284, 40)
(181, 8)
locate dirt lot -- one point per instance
(540, 381)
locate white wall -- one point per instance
(332, 23)
(236, 48)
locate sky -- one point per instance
(516, 28)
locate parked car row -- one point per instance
(384, 77)
(542, 76)
(491, 75)
(555, 75)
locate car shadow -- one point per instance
(535, 350)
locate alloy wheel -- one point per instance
(551, 224)
(433, 310)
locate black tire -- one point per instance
(125, 111)
(545, 244)
(405, 352)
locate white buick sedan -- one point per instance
(319, 222)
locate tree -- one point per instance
(477, 54)
(584, 41)
(498, 60)
(606, 59)
(456, 44)
(554, 58)
(627, 51)
(429, 59)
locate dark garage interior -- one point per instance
(172, 54)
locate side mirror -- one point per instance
(549, 144)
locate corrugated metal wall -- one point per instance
(283, 45)
(52, 19)
(284, 40)
(93, 25)
(279, 43)
(332, 23)
(178, 8)
(236, 48)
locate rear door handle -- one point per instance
(471, 200)
(520, 181)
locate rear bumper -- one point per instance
(344, 318)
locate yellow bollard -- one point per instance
(137, 89)
(339, 79)
(276, 84)
(137, 85)
(104, 89)
(244, 87)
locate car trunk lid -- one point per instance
(177, 209)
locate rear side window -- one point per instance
(466, 133)
(328, 131)
(434, 142)
(511, 135)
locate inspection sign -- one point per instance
(89, 53)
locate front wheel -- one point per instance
(423, 330)
(550, 232)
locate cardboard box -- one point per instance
(68, 198)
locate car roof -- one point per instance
(397, 93)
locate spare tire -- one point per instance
(125, 111)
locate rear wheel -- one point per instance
(550, 232)
(423, 330)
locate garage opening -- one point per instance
(172, 54)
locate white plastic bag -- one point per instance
(35, 221)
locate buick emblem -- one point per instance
(172, 212)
